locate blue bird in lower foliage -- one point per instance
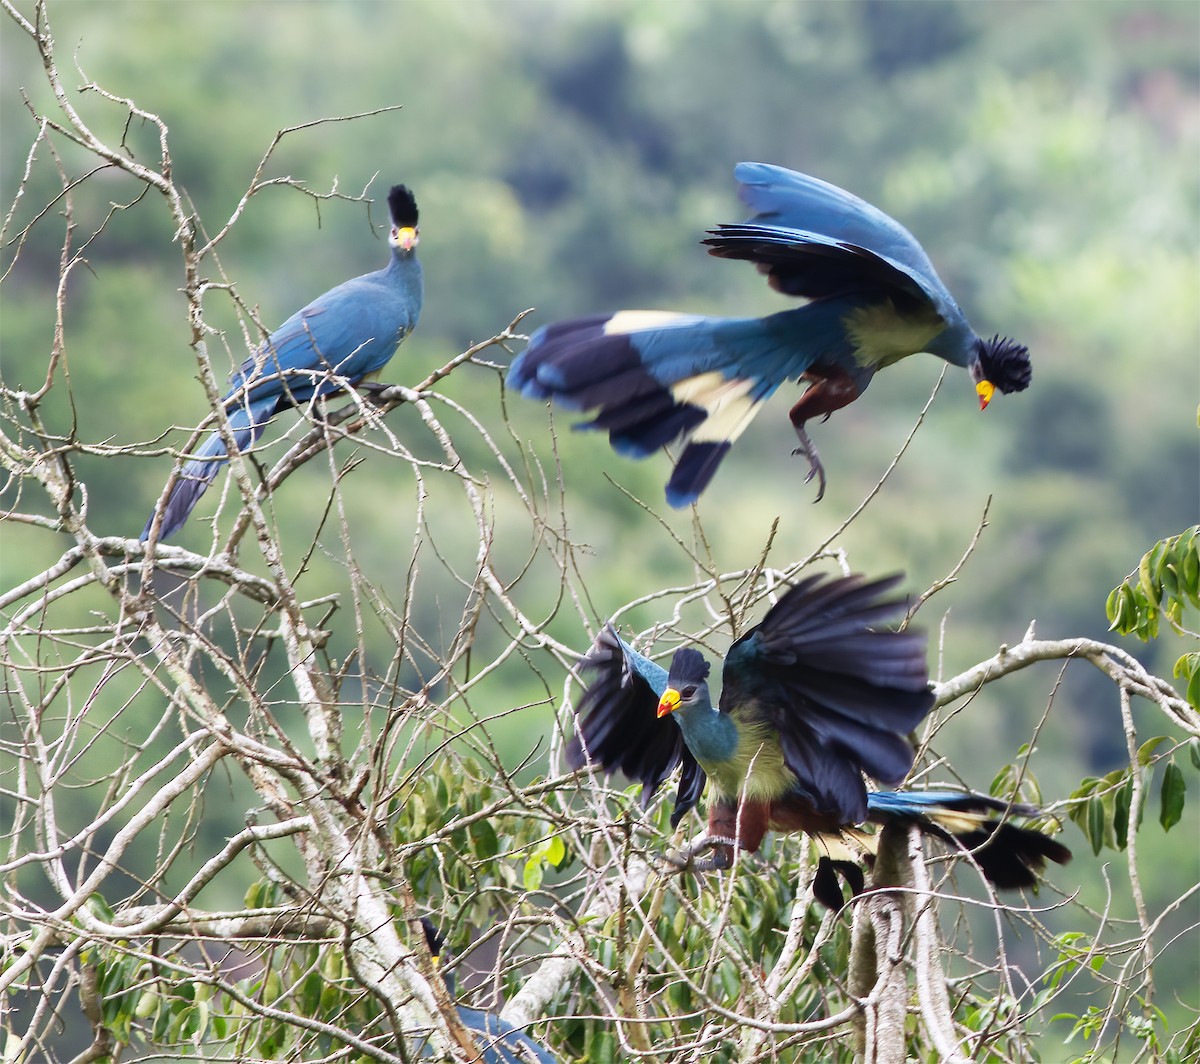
(339, 340)
(812, 698)
(498, 1042)
(873, 298)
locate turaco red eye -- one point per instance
(687, 692)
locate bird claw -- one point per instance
(679, 860)
(815, 469)
(688, 858)
(372, 388)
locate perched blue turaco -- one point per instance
(340, 339)
(811, 699)
(873, 298)
(498, 1042)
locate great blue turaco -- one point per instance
(340, 339)
(873, 298)
(498, 1042)
(812, 698)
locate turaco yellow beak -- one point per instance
(986, 390)
(669, 702)
(406, 238)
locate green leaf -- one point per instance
(1147, 572)
(201, 1024)
(310, 993)
(1004, 782)
(146, 1005)
(1095, 825)
(1087, 786)
(556, 850)
(534, 873)
(1121, 802)
(1168, 580)
(1173, 788)
(1191, 567)
(1146, 750)
(486, 842)
(1112, 607)
(100, 908)
(679, 923)
(1188, 667)
(416, 813)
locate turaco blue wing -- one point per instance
(338, 340)
(619, 730)
(816, 240)
(652, 378)
(836, 693)
(817, 696)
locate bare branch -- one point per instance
(1125, 671)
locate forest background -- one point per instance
(568, 157)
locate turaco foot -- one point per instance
(815, 469)
(373, 388)
(688, 858)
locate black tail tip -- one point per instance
(694, 471)
(1011, 858)
(827, 883)
(403, 205)
(1006, 364)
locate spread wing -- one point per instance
(816, 240)
(617, 726)
(841, 693)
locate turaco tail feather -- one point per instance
(1009, 856)
(337, 341)
(814, 698)
(651, 377)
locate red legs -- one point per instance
(828, 391)
(730, 829)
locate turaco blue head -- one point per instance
(402, 204)
(687, 683)
(1000, 365)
